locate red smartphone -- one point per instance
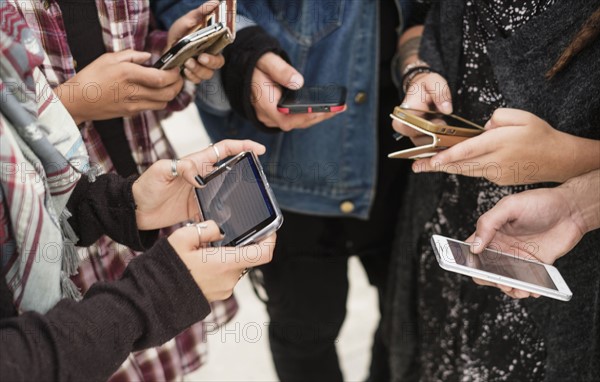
(313, 99)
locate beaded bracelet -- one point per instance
(410, 73)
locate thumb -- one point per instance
(508, 117)
(132, 56)
(490, 223)
(280, 71)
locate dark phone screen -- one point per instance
(502, 265)
(237, 200)
(324, 95)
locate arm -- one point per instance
(154, 300)
(107, 207)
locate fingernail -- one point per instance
(222, 232)
(488, 124)
(446, 107)
(297, 80)
(203, 59)
(416, 167)
(200, 180)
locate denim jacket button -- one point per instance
(347, 207)
(360, 98)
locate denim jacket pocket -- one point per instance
(309, 21)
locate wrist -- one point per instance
(581, 194)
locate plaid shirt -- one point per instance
(125, 25)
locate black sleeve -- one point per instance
(155, 299)
(240, 60)
(430, 49)
(106, 207)
(418, 13)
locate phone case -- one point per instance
(438, 142)
(212, 44)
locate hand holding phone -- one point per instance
(271, 76)
(215, 29)
(495, 267)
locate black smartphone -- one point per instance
(313, 99)
(239, 199)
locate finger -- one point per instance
(508, 117)
(152, 77)
(230, 147)
(463, 151)
(204, 159)
(196, 16)
(438, 89)
(280, 71)
(405, 130)
(303, 121)
(521, 293)
(133, 56)
(165, 94)
(210, 61)
(195, 236)
(257, 254)
(424, 165)
(134, 107)
(493, 220)
(188, 170)
(199, 71)
(483, 282)
(191, 76)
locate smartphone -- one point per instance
(239, 199)
(527, 274)
(313, 99)
(211, 36)
(444, 130)
(449, 124)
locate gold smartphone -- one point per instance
(449, 124)
(445, 131)
(212, 36)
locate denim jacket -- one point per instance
(329, 169)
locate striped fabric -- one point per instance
(125, 25)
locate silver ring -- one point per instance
(216, 150)
(244, 272)
(199, 228)
(174, 172)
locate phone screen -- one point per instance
(502, 265)
(237, 200)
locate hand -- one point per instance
(203, 67)
(517, 148)
(426, 91)
(270, 74)
(217, 270)
(542, 224)
(117, 85)
(163, 200)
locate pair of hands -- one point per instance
(117, 85)
(516, 148)
(163, 200)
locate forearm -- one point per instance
(583, 192)
(107, 207)
(155, 300)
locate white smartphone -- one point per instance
(517, 272)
